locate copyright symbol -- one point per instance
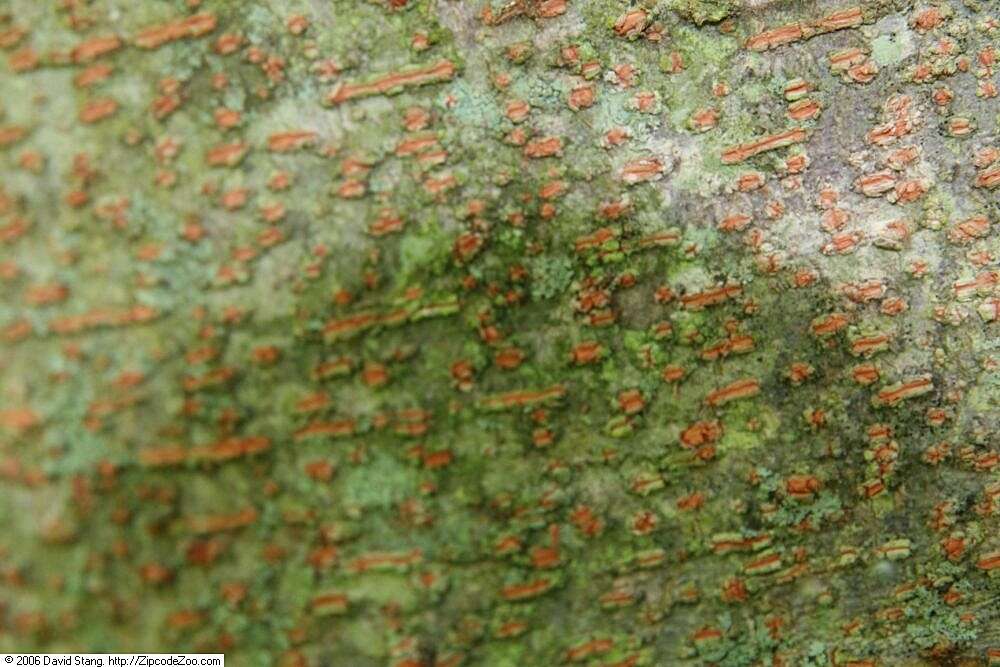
(9, 659)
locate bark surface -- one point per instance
(444, 332)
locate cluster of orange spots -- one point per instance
(988, 176)
(659, 240)
(734, 344)
(313, 402)
(432, 460)
(93, 75)
(631, 401)
(95, 48)
(764, 564)
(440, 184)
(802, 487)
(989, 309)
(522, 398)
(632, 23)
(798, 372)
(387, 222)
(217, 523)
(528, 590)
(227, 154)
(894, 394)
(803, 110)
(642, 170)
(893, 235)
(829, 324)
(842, 243)
(749, 181)
(156, 36)
(104, 407)
(704, 119)
(959, 126)
(338, 428)
(23, 60)
(736, 154)
(989, 561)
(517, 111)
(94, 319)
(467, 246)
(903, 157)
(542, 9)
(710, 297)
(11, 36)
(381, 561)
(221, 451)
(673, 64)
(416, 143)
(589, 649)
(692, 501)
(793, 32)
(290, 140)
(970, 229)
(738, 389)
(876, 184)
(330, 603)
(882, 455)
(14, 470)
(584, 520)
(543, 147)
(982, 283)
(673, 373)
(795, 164)
(899, 121)
(616, 136)
(865, 374)
(351, 325)
(595, 239)
(797, 89)
(853, 65)
(547, 557)
(297, 24)
(864, 291)
(46, 294)
(593, 298)
(866, 346)
(463, 373)
(701, 437)
(924, 20)
(443, 70)
(19, 420)
(582, 96)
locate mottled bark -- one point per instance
(434, 332)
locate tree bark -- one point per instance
(440, 332)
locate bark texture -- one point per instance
(429, 333)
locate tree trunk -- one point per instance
(439, 332)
